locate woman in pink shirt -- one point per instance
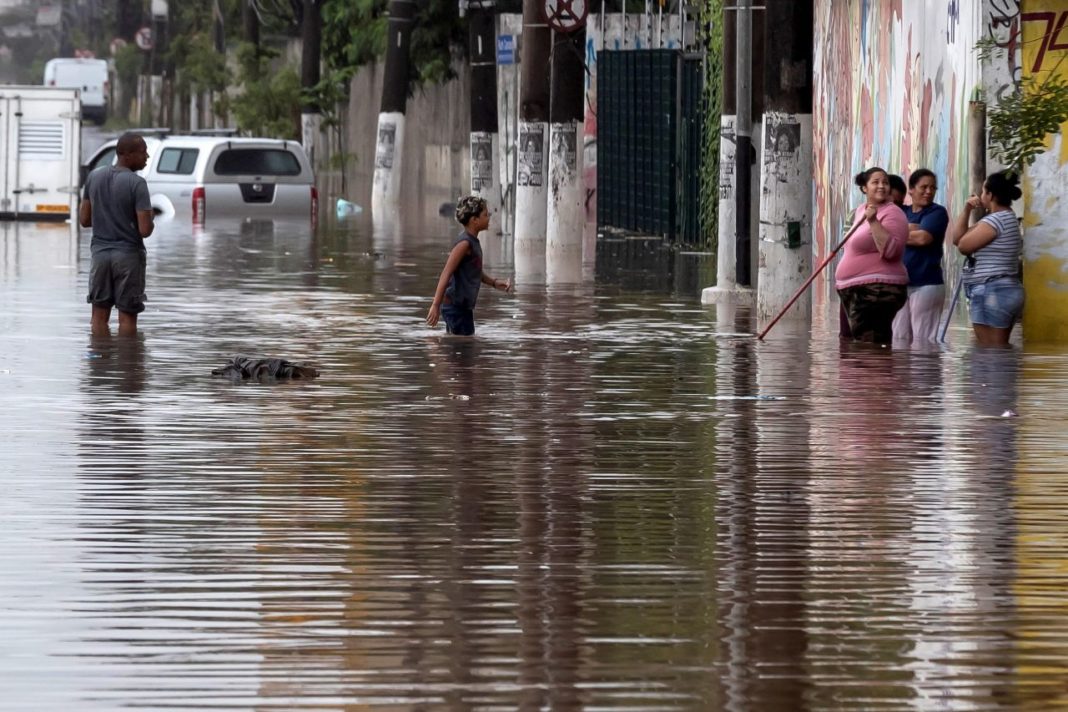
(871, 279)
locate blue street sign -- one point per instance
(506, 49)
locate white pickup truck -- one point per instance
(40, 151)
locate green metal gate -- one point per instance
(649, 143)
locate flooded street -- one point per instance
(605, 500)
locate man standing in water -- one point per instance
(117, 206)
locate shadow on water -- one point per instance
(610, 497)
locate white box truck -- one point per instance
(40, 152)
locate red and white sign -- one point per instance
(143, 38)
(565, 15)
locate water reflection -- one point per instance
(606, 499)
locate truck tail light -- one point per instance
(199, 204)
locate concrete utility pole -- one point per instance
(530, 197)
(159, 83)
(743, 139)
(485, 146)
(786, 171)
(726, 266)
(389, 149)
(566, 215)
(727, 293)
(311, 116)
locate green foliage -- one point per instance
(711, 22)
(438, 35)
(1020, 122)
(203, 69)
(269, 103)
(355, 34)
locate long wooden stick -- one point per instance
(803, 287)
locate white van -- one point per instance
(88, 75)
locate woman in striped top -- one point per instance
(991, 274)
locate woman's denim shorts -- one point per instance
(997, 303)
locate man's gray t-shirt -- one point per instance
(116, 194)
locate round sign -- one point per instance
(565, 15)
(143, 38)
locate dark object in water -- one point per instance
(263, 369)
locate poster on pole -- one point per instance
(532, 155)
(481, 161)
(387, 139)
(565, 140)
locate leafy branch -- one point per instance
(1021, 121)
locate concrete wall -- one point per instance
(1043, 50)
(437, 131)
(892, 84)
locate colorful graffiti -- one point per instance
(891, 86)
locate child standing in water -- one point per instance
(462, 276)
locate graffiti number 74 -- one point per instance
(1051, 37)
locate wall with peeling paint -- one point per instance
(891, 86)
(1044, 49)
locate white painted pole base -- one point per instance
(726, 265)
(785, 215)
(566, 215)
(311, 127)
(389, 153)
(530, 202)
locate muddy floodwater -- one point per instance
(608, 499)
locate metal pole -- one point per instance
(744, 139)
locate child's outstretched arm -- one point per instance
(451, 264)
(504, 284)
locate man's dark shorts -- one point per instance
(117, 279)
(460, 322)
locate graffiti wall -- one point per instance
(892, 81)
(1044, 50)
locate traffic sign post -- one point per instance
(143, 38)
(565, 16)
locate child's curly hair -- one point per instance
(470, 206)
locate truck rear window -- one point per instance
(178, 160)
(257, 162)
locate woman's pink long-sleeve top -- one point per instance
(862, 262)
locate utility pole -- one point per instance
(565, 213)
(726, 265)
(158, 103)
(311, 117)
(530, 196)
(389, 147)
(728, 293)
(485, 144)
(786, 171)
(743, 146)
